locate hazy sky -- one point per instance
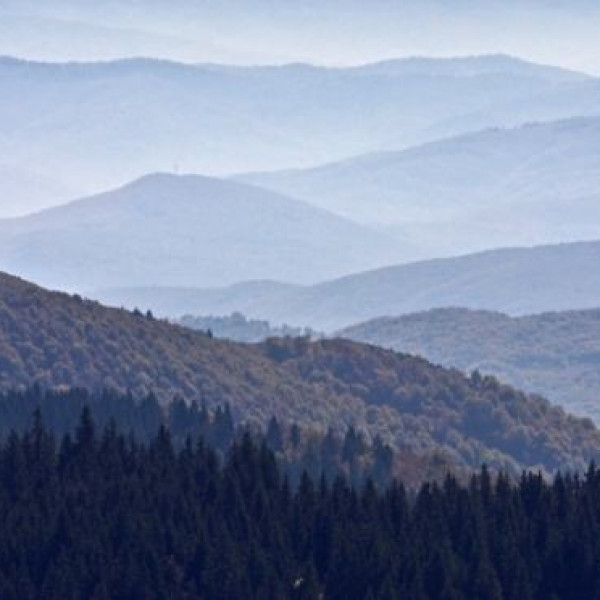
(325, 32)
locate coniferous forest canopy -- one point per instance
(102, 515)
(296, 447)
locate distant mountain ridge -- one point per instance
(472, 66)
(345, 32)
(100, 124)
(553, 354)
(517, 281)
(186, 230)
(535, 184)
(60, 340)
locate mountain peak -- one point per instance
(187, 230)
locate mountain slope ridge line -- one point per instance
(59, 340)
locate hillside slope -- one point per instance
(516, 281)
(58, 340)
(502, 187)
(186, 230)
(553, 354)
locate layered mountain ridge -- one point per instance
(517, 281)
(100, 124)
(535, 184)
(185, 231)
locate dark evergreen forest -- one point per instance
(105, 514)
(348, 454)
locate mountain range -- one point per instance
(517, 281)
(57, 340)
(276, 31)
(535, 184)
(300, 299)
(554, 354)
(99, 125)
(186, 231)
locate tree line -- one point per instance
(348, 453)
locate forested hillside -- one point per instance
(222, 226)
(553, 354)
(105, 517)
(58, 340)
(298, 449)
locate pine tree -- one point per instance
(274, 435)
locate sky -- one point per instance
(333, 32)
